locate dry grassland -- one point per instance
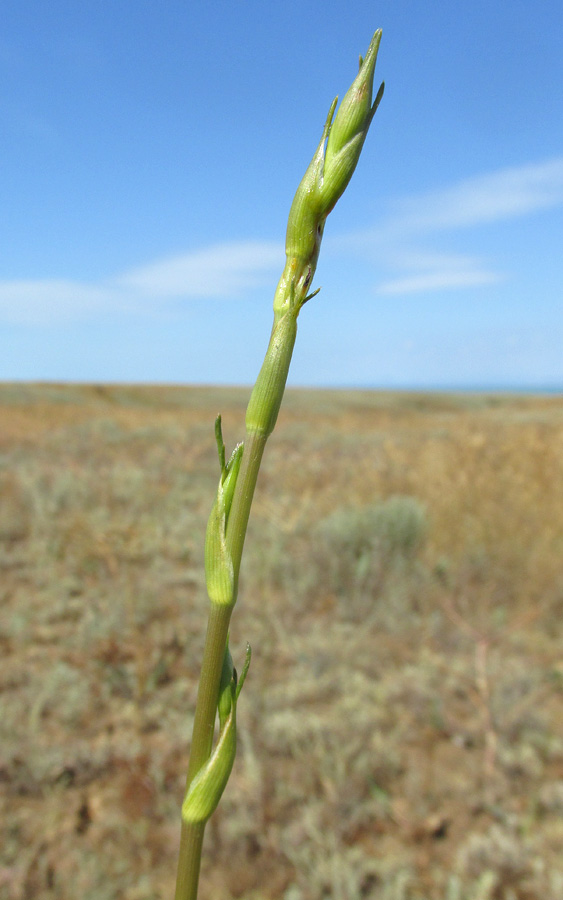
(401, 730)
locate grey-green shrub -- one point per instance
(352, 553)
(390, 529)
(357, 550)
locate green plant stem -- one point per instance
(189, 861)
(324, 181)
(208, 693)
(254, 445)
(191, 836)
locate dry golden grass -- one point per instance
(401, 731)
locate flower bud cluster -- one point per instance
(333, 164)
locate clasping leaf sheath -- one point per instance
(219, 571)
(206, 789)
(267, 394)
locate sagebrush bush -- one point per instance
(362, 547)
(15, 509)
(352, 554)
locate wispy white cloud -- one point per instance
(219, 271)
(49, 301)
(508, 193)
(222, 270)
(424, 272)
(504, 194)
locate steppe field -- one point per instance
(401, 727)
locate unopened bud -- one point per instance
(324, 182)
(350, 127)
(302, 239)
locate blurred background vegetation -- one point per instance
(401, 731)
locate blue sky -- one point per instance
(150, 152)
